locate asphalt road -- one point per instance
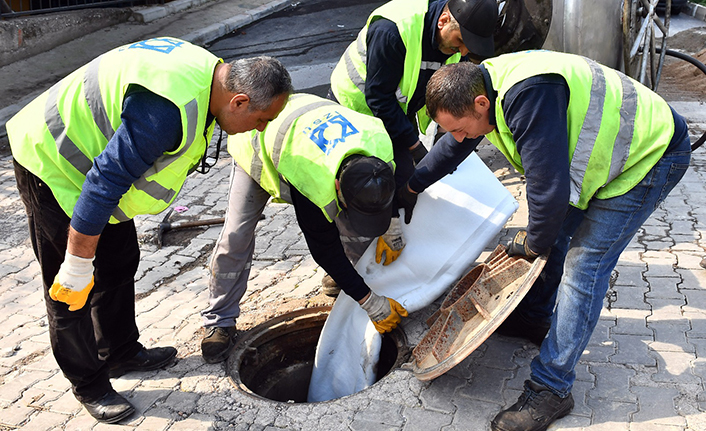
(308, 51)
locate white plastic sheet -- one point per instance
(453, 221)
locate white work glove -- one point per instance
(390, 244)
(385, 313)
(74, 282)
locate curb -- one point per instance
(200, 37)
(696, 10)
(214, 31)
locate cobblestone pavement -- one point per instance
(643, 369)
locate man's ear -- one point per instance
(482, 103)
(239, 101)
(443, 20)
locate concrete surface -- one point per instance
(644, 368)
(24, 37)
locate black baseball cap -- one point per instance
(368, 189)
(477, 19)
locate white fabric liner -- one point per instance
(453, 221)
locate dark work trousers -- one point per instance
(85, 341)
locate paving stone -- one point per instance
(66, 403)
(675, 367)
(696, 301)
(691, 279)
(153, 423)
(383, 413)
(611, 415)
(670, 337)
(417, 419)
(83, 421)
(665, 310)
(630, 322)
(129, 381)
(664, 287)
(657, 245)
(182, 402)
(689, 259)
(697, 322)
(486, 384)
(143, 398)
(630, 275)
(57, 382)
(46, 420)
(633, 349)
(601, 333)
(472, 415)
(584, 374)
(499, 354)
(362, 425)
(580, 391)
(193, 423)
(653, 427)
(19, 383)
(612, 384)
(659, 268)
(438, 395)
(656, 406)
(630, 297)
(598, 353)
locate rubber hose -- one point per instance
(701, 67)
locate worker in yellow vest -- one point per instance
(384, 73)
(335, 166)
(599, 152)
(114, 139)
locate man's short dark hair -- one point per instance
(453, 88)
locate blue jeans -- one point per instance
(577, 273)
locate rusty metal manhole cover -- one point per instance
(472, 310)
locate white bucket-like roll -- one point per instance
(453, 221)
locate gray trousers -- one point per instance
(233, 253)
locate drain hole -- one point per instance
(274, 360)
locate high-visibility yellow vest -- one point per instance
(618, 129)
(58, 134)
(348, 78)
(305, 146)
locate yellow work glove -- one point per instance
(385, 313)
(74, 282)
(390, 244)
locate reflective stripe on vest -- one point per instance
(350, 67)
(304, 148)
(83, 164)
(355, 77)
(591, 126)
(617, 128)
(256, 163)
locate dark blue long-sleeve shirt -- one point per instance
(324, 242)
(385, 65)
(535, 111)
(151, 126)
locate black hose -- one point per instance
(702, 67)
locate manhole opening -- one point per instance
(275, 359)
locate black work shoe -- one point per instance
(329, 287)
(110, 408)
(145, 360)
(535, 410)
(518, 326)
(217, 343)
